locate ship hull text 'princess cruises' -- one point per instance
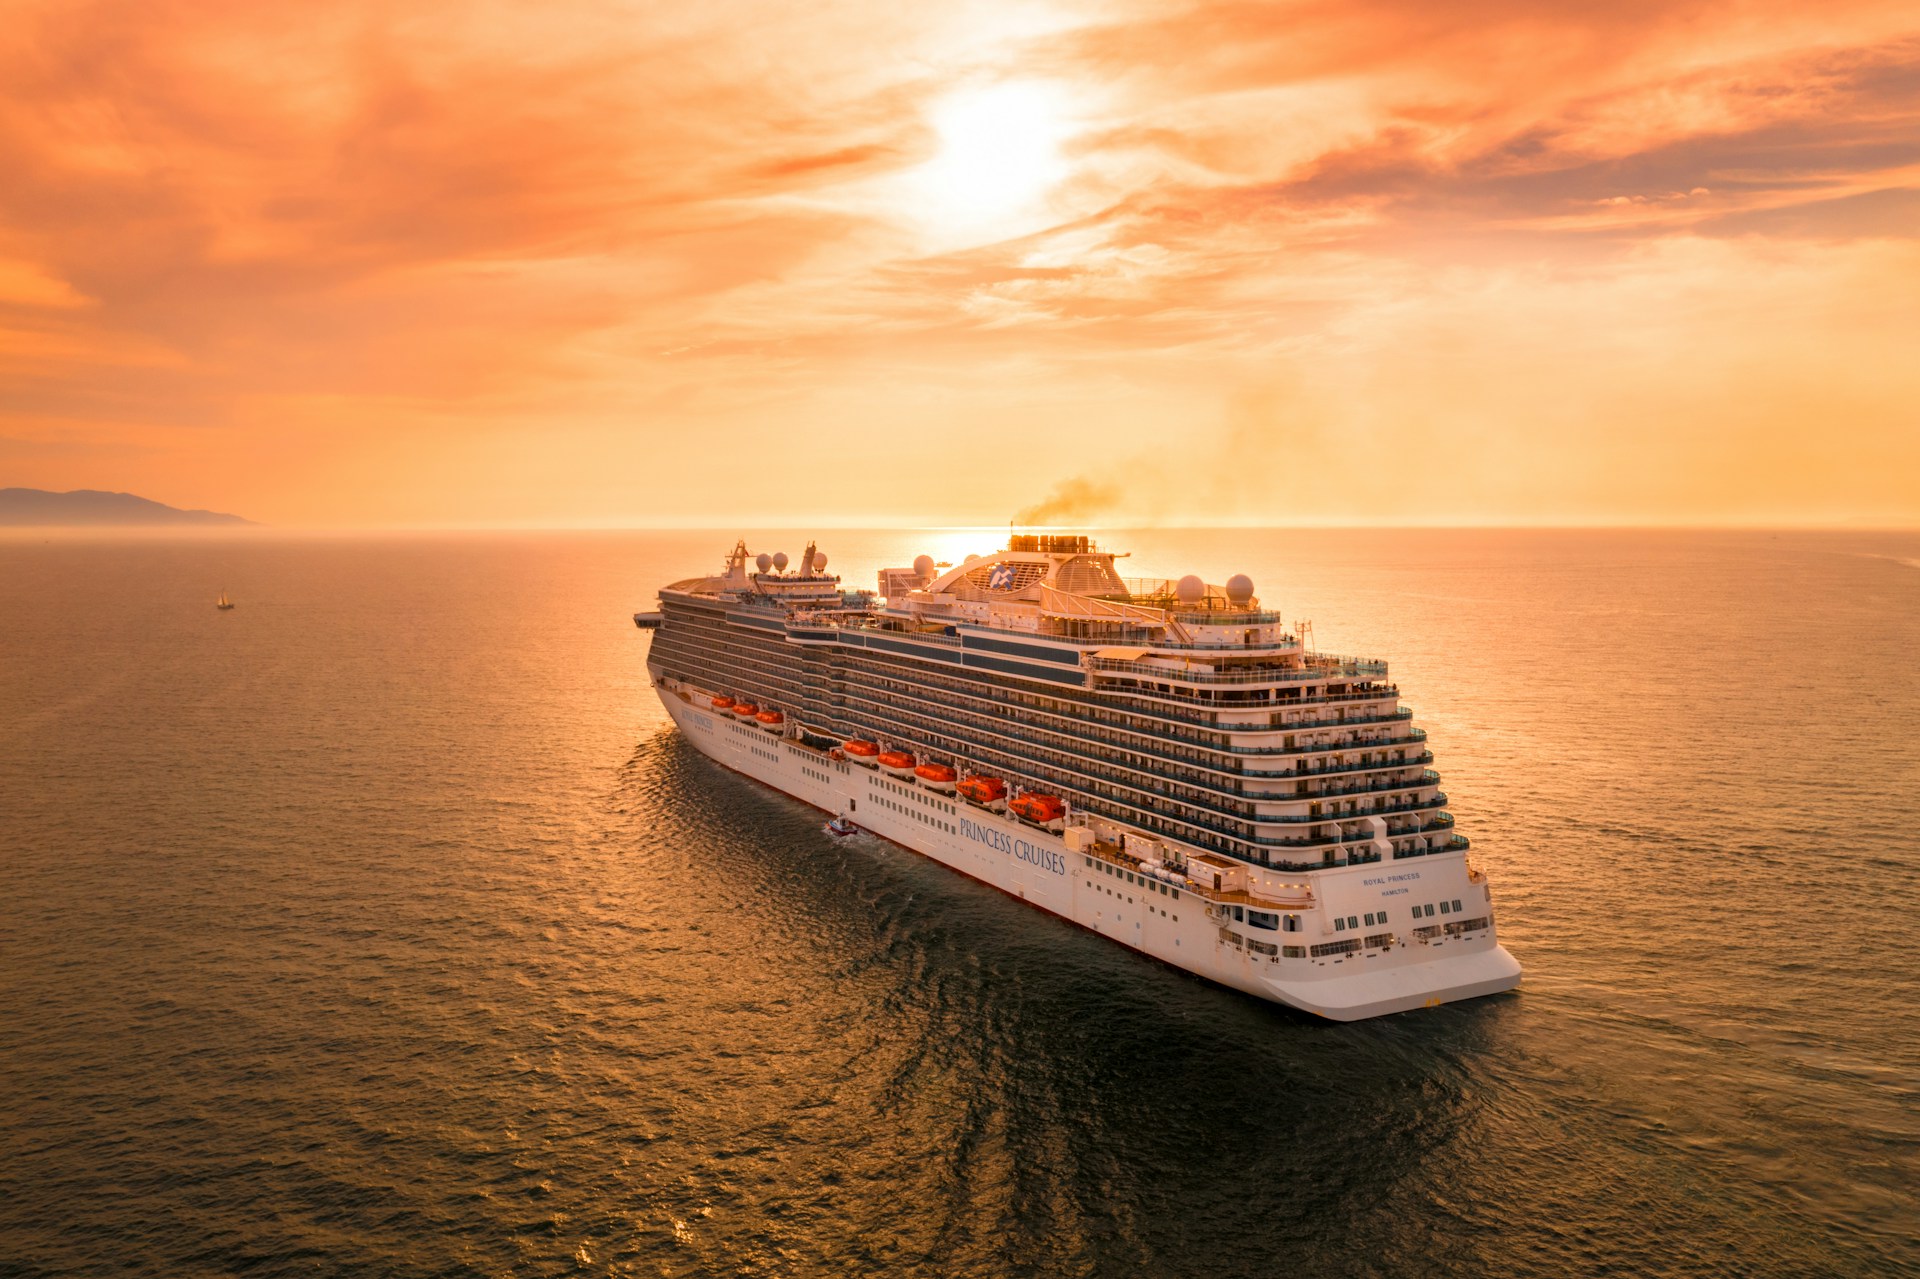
(1160, 762)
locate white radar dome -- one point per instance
(1190, 590)
(1240, 588)
(780, 561)
(923, 565)
(819, 561)
(765, 561)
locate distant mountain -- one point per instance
(82, 507)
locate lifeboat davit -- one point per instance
(862, 753)
(772, 721)
(723, 703)
(935, 777)
(899, 763)
(988, 792)
(745, 710)
(1042, 810)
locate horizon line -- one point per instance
(256, 528)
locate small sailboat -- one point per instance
(839, 825)
(223, 603)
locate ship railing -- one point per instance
(1402, 714)
(1228, 754)
(1212, 759)
(1154, 697)
(1235, 675)
(1219, 759)
(1427, 778)
(1081, 787)
(1124, 861)
(1165, 704)
(1230, 615)
(1059, 774)
(1283, 642)
(1328, 726)
(1244, 810)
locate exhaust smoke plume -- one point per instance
(1073, 501)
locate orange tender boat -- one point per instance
(985, 791)
(861, 752)
(771, 720)
(1039, 809)
(935, 776)
(723, 703)
(896, 762)
(745, 710)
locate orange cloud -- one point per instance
(471, 263)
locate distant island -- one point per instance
(90, 507)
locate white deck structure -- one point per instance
(1237, 806)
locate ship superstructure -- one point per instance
(1161, 761)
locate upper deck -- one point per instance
(1050, 607)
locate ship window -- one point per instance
(1456, 905)
(1352, 922)
(1429, 910)
(1445, 908)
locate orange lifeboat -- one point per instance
(772, 721)
(862, 753)
(935, 777)
(899, 763)
(745, 710)
(723, 703)
(1041, 810)
(988, 792)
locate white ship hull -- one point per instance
(1396, 968)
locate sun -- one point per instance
(998, 158)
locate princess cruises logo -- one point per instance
(1001, 579)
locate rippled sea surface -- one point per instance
(384, 926)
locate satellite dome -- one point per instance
(765, 561)
(819, 561)
(923, 565)
(780, 561)
(1190, 590)
(1240, 589)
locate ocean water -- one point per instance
(384, 926)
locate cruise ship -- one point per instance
(1164, 763)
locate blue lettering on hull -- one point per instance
(1001, 842)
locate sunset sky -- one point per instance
(856, 263)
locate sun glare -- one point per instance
(999, 156)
